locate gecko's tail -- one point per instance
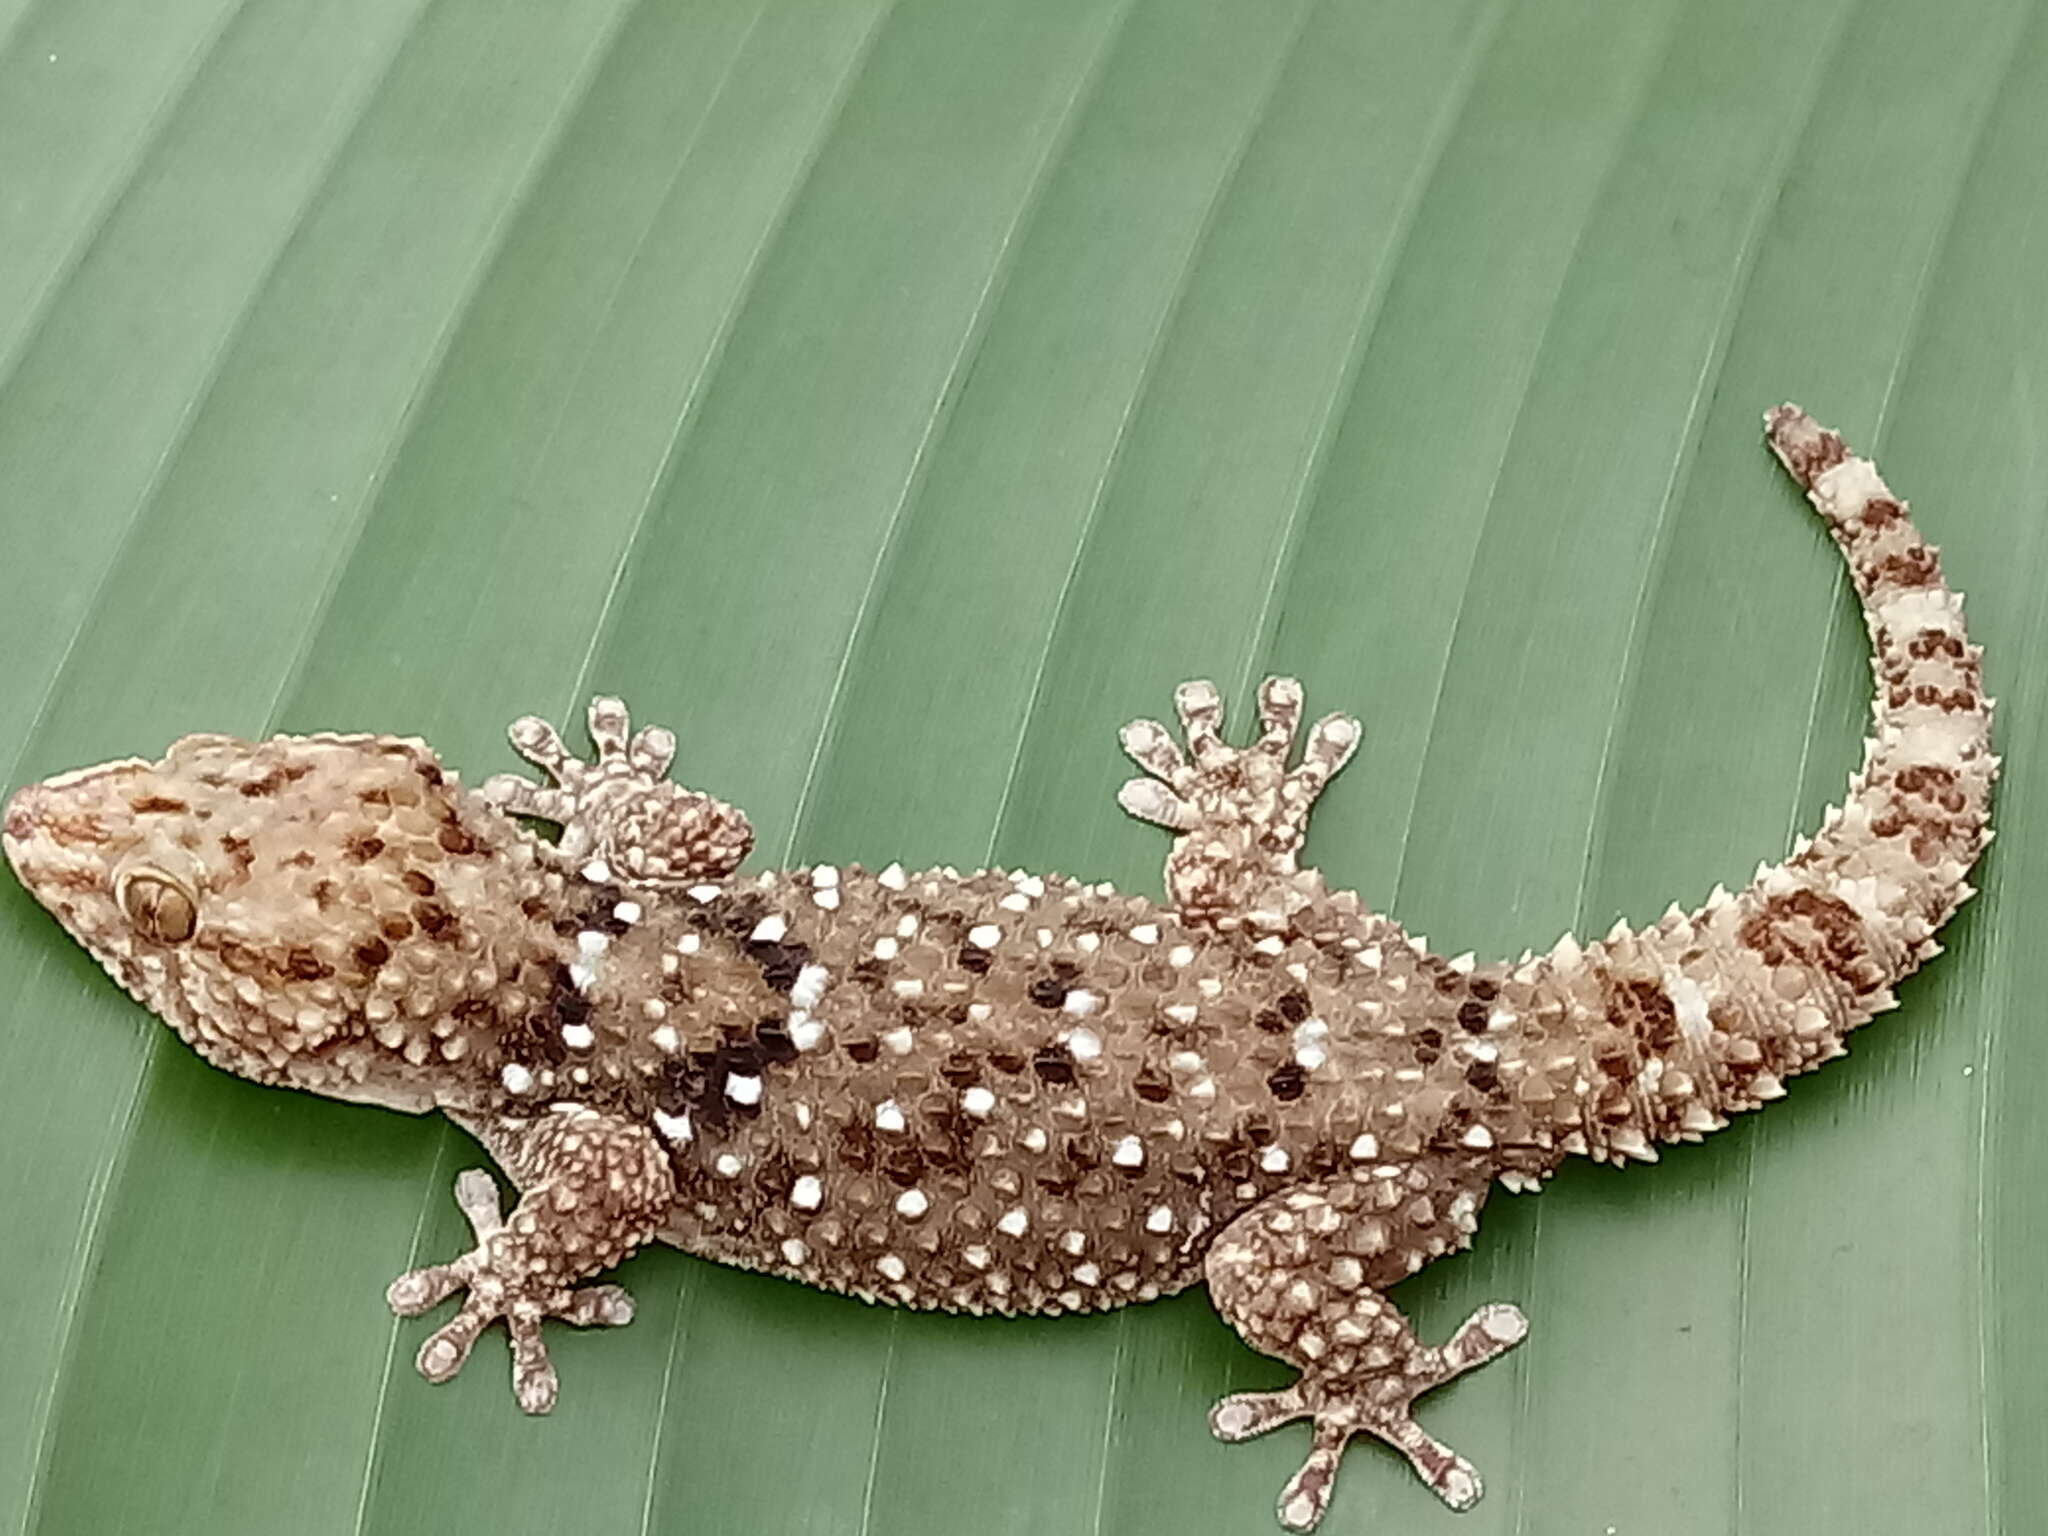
(1730, 1000)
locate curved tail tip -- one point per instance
(1807, 449)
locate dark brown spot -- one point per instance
(772, 1037)
(1293, 1006)
(1288, 1081)
(456, 841)
(1816, 930)
(1271, 1021)
(1048, 993)
(1472, 1016)
(779, 963)
(903, 1166)
(863, 1051)
(159, 805)
(396, 928)
(1152, 1085)
(1053, 1064)
(372, 953)
(303, 964)
(435, 921)
(1916, 566)
(418, 882)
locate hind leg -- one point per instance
(1301, 1277)
(1241, 812)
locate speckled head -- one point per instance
(295, 908)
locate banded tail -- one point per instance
(1715, 1008)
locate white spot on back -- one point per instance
(809, 987)
(889, 1116)
(985, 936)
(770, 929)
(742, 1088)
(912, 1203)
(517, 1079)
(807, 1193)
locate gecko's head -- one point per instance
(274, 900)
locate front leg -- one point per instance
(1302, 1276)
(596, 1188)
(621, 809)
(1241, 814)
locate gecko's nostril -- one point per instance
(20, 819)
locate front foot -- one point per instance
(621, 810)
(499, 1276)
(1376, 1401)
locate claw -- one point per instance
(540, 744)
(653, 752)
(1279, 715)
(1149, 800)
(1200, 708)
(1247, 1415)
(1147, 744)
(609, 724)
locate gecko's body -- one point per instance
(991, 1091)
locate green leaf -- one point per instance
(893, 396)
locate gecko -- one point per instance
(1000, 1092)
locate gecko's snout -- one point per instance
(19, 821)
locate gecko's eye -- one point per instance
(159, 907)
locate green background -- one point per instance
(893, 398)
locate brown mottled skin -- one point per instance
(996, 1092)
